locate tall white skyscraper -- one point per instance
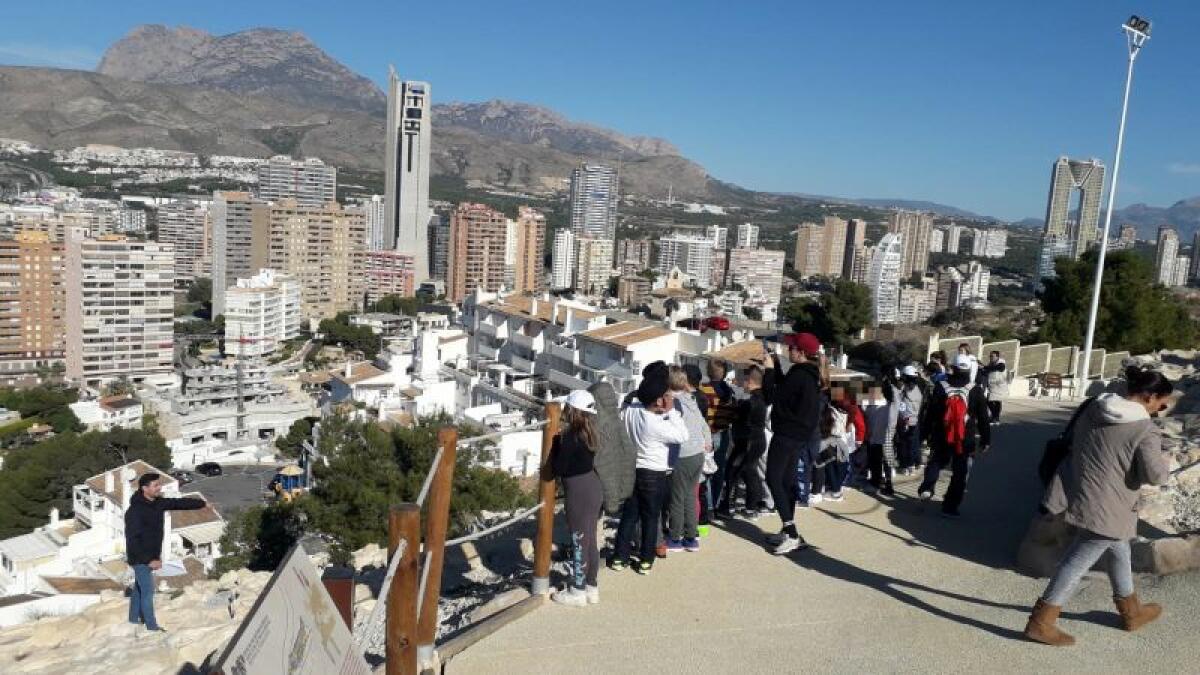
(594, 201)
(719, 235)
(562, 270)
(937, 240)
(954, 237)
(1066, 216)
(747, 236)
(407, 159)
(1166, 255)
(989, 243)
(376, 213)
(884, 277)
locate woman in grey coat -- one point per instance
(1116, 449)
(615, 455)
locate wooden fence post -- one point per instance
(546, 493)
(436, 522)
(404, 524)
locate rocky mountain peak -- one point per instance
(280, 64)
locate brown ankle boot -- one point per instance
(1042, 628)
(1134, 613)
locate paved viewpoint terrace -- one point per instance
(887, 587)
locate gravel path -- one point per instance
(888, 587)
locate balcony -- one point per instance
(535, 343)
(565, 381)
(487, 351)
(499, 332)
(521, 365)
(567, 354)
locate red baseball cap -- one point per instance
(805, 342)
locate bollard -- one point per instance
(545, 520)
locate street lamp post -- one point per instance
(1137, 31)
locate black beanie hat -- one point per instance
(655, 383)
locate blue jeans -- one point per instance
(835, 475)
(805, 471)
(722, 441)
(960, 467)
(141, 597)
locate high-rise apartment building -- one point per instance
(989, 243)
(562, 260)
(1053, 247)
(821, 249)
(976, 279)
(32, 301)
(241, 236)
(1194, 268)
(261, 312)
(949, 289)
(1165, 256)
(861, 264)
(130, 220)
(375, 212)
(917, 303)
(1181, 270)
(322, 248)
(389, 273)
(478, 247)
(954, 238)
(1128, 236)
(747, 235)
(407, 162)
(884, 278)
(593, 265)
(692, 255)
(439, 246)
(856, 232)
(1065, 219)
(309, 181)
(120, 310)
(757, 268)
(594, 195)
(636, 251)
(529, 244)
(914, 229)
(184, 224)
(937, 240)
(719, 235)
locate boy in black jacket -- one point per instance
(947, 446)
(796, 402)
(143, 543)
(749, 433)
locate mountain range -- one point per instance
(265, 91)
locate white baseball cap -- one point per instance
(962, 361)
(582, 400)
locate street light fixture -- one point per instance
(1137, 32)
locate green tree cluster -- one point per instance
(1135, 314)
(366, 469)
(290, 444)
(48, 404)
(836, 317)
(338, 331)
(36, 478)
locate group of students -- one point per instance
(677, 452)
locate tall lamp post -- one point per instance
(1137, 31)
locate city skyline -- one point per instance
(841, 149)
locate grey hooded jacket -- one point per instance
(616, 455)
(1116, 449)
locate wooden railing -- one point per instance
(412, 586)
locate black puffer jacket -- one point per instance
(144, 525)
(795, 400)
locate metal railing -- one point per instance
(407, 609)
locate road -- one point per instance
(888, 587)
(239, 487)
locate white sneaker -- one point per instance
(835, 497)
(593, 595)
(788, 545)
(926, 495)
(571, 597)
(814, 499)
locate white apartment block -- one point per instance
(1182, 263)
(110, 412)
(692, 255)
(884, 278)
(954, 238)
(120, 310)
(376, 214)
(528, 334)
(976, 279)
(310, 182)
(1166, 255)
(757, 268)
(562, 274)
(917, 303)
(719, 235)
(261, 312)
(991, 243)
(747, 235)
(593, 265)
(593, 199)
(937, 240)
(184, 223)
(241, 237)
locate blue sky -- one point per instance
(962, 103)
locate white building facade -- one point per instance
(884, 278)
(261, 312)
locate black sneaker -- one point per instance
(887, 491)
(644, 568)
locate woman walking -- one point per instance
(1115, 449)
(573, 460)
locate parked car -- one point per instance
(209, 469)
(183, 477)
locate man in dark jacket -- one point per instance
(946, 448)
(796, 410)
(143, 543)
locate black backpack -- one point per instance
(1059, 447)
